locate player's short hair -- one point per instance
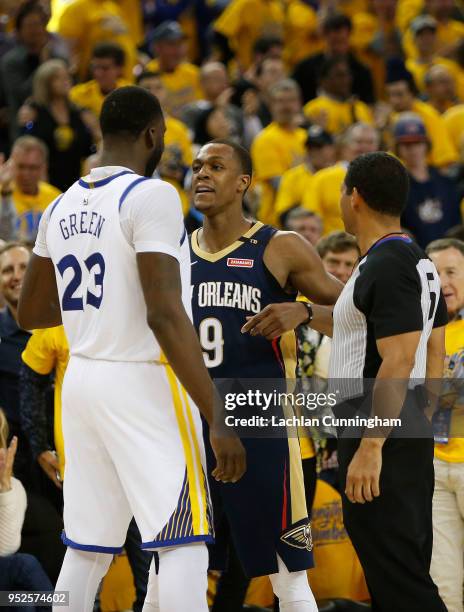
(127, 111)
(381, 180)
(241, 154)
(110, 50)
(337, 242)
(445, 243)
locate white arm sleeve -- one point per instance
(151, 218)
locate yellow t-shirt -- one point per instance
(275, 150)
(29, 208)
(339, 115)
(324, 196)
(293, 185)
(89, 95)
(178, 145)
(454, 121)
(453, 451)
(301, 33)
(88, 22)
(182, 85)
(47, 350)
(447, 34)
(243, 21)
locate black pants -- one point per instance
(392, 535)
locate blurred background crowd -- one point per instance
(307, 86)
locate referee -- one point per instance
(387, 325)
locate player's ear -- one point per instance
(244, 183)
(150, 137)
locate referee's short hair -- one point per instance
(381, 180)
(128, 111)
(445, 243)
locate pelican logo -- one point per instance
(299, 537)
(233, 262)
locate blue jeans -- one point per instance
(22, 572)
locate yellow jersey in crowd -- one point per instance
(29, 208)
(47, 351)
(182, 85)
(324, 196)
(293, 186)
(337, 116)
(275, 150)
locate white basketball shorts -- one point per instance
(134, 447)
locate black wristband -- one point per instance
(309, 308)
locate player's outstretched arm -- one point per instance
(166, 316)
(39, 304)
(295, 263)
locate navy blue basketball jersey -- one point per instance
(227, 287)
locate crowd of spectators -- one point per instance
(306, 86)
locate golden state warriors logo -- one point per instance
(299, 537)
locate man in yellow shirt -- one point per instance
(296, 182)
(335, 108)
(440, 86)
(279, 147)
(84, 23)
(448, 500)
(324, 196)
(180, 78)
(178, 154)
(107, 69)
(401, 93)
(23, 188)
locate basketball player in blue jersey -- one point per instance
(240, 266)
(111, 262)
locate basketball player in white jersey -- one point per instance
(111, 262)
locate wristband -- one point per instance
(309, 308)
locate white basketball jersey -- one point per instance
(92, 234)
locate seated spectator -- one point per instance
(18, 572)
(324, 195)
(34, 46)
(23, 190)
(335, 109)
(85, 23)
(447, 569)
(336, 31)
(180, 78)
(107, 66)
(50, 116)
(217, 91)
(242, 23)
(424, 29)
(279, 147)
(440, 86)
(304, 222)
(296, 182)
(178, 154)
(433, 201)
(402, 93)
